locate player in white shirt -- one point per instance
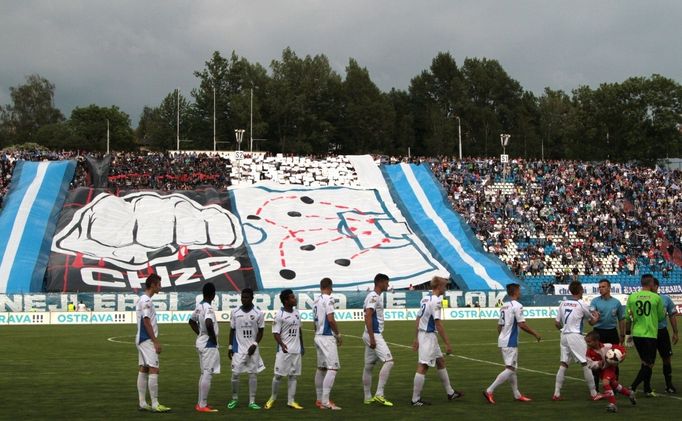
(327, 338)
(204, 323)
(511, 319)
(148, 347)
(375, 345)
(289, 337)
(569, 320)
(247, 323)
(429, 327)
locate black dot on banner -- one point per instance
(287, 274)
(307, 200)
(308, 247)
(254, 217)
(342, 262)
(294, 214)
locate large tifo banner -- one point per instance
(27, 222)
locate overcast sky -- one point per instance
(132, 53)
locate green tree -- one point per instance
(32, 107)
(89, 125)
(157, 128)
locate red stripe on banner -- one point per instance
(66, 272)
(270, 222)
(284, 263)
(325, 203)
(227, 276)
(89, 196)
(342, 207)
(258, 211)
(339, 238)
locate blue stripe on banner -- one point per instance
(32, 239)
(432, 236)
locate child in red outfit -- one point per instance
(596, 360)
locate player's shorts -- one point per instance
(287, 364)
(429, 350)
(146, 354)
(327, 352)
(209, 360)
(245, 363)
(646, 348)
(610, 373)
(665, 349)
(608, 336)
(510, 356)
(573, 347)
(379, 353)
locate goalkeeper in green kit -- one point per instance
(645, 309)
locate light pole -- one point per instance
(239, 136)
(177, 119)
(504, 141)
(251, 125)
(459, 131)
(214, 139)
(107, 136)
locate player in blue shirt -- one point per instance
(611, 320)
(663, 340)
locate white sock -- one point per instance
(275, 387)
(291, 389)
(589, 379)
(367, 380)
(418, 386)
(327, 386)
(560, 375)
(515, 385)
(253, 385)
(445, 380)
(235, 386)
(383, 377)
(142, 388)
(501, 378)
(153, 385)
(319, 381)
(204, 388)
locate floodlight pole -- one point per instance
(214, 138)
(459, 131)
(251, 125)
(177, 119)
(107, 136)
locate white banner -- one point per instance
(589, 289)
(494, 313)
(31, 318)
(92, 317)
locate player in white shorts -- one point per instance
(204, 323)
(375, 345)
(327, 338)
(289, 337)
(569, 321)
(148, 347)
(511, 319)
(247, 323)
(429, 327)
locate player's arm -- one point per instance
(415, 343)
(150, 332)
(557, 321)
(441, 331)
(530, 330)
(621, 324)
(369, 311)
(259, 335)
(230, 352)
(210, 331)
(277, 333)
(334, 327)
(300, 337)
(673, 324)
(194, 325)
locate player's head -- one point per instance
(592, 339)
(655, 285)
(575, 288)
(647, 281)
(604, 287)
(288, 298)
(153, 283)
(381, 281)
(514, 290)
(326, 285)
(209, 291)
(247, 297)
(438, 285)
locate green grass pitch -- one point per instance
(89, 372)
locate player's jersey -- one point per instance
(670, 310)
(511, 314)
(375, 302)
(600, 354)
(322, 306)
(645, 309)
(246, 325)
(572, 314)
(145, 308)
(204, 312)
(288, 326)
(429, 312)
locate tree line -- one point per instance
(301, 105)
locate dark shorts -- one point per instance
(608, 336)
(646, 348)
(665, 349)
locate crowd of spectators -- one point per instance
(565, 217)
